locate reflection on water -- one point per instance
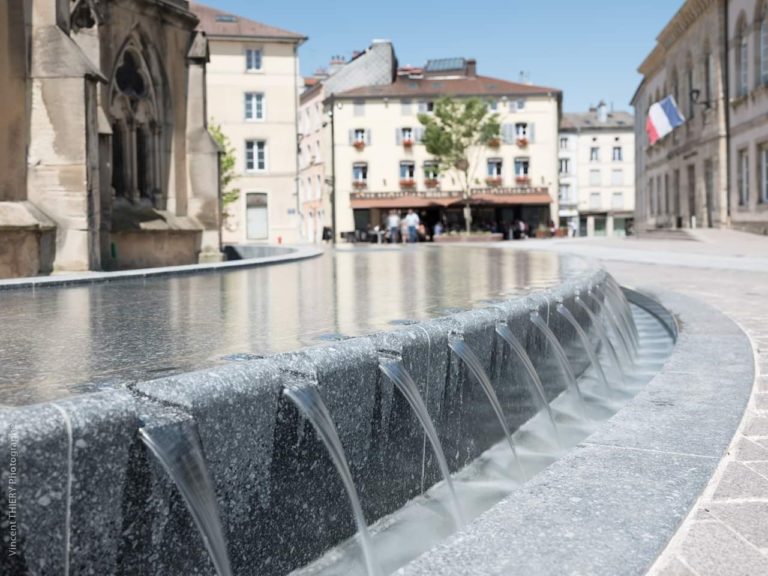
(58, 341)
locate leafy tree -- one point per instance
(227, 169)
(455, 134)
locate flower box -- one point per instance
(359, 145)
(494, 142)
(407, 183)
(359, 184)
(522, 142)
(407, 143)
(493, 181)
(522, 180)
(431, 182)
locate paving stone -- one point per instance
(739, 481)
(711, 549)
(749, 450)
(674, 567)
(748, 519)
(756, 426)
(761, 401)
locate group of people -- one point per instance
(408, 229)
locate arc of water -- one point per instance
(538, 388)
(625, 305)
(587, 345)
(424, 440)
(308, 400)
(603, 335)
(562, 358)
(475, 366)
(396, 372)
(605, 312)
(181, 456)
(616, 309)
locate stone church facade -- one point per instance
(105, 157)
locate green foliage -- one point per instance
(455, 129)
(227, 169)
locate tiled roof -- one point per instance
(466, 86)
(589, 121)
(216, 23)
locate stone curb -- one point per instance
(611, 506)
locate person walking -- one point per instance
(413, 221)
(393, 225)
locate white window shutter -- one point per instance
(398, 136)
(368, 137)
(422, 107)
(507, 133)
(419, 134)
(351, 137)
(531, 133)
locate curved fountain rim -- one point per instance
(294, 254)
(612, 505)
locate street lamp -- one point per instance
(695, 95)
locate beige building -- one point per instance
(104, 163)
(381, 163)
(712, 171)
(253, 87)
(597, 172)
(748, 121)
(375, 66)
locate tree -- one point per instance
(455, 134)
(227, 172)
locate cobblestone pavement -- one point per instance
(727, 532)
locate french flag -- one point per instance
(663, 117)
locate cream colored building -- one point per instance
(597, 172)
(748, 126)
(712, 171)
(253, 88)
(381, 163)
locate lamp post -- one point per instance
(695, 95)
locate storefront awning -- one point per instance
(401, 202)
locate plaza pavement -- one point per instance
(726, 533)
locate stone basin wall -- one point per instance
(88, 495)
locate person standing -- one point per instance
(393, 225)
(412, 220)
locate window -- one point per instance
(617, 177)
(651, 203)
(359, 107)
(618, 154)
(594, 201)
(691, 106)
(493, 105)
(254, 106)
(405, 107)
(594, 154)
(762, 53)
(594, 177)
(317, 151)
(405, 136)
(319, 187)
(257, 216)
(743, 178)
(360, 172)
(255, 155)
(407, 171)
(565, 192)
(522, 167)
(742, 55)
(252, 60)
(517, 105)
(565, 166)
(563, 143)
(359, 136)
(494, 167)
(430, 170)
(426, 107)
(763, 196)
(659, 196)
(617, 200)
(521, 130)
(708, 77)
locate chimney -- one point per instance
(602, 112)
(471, 68)
(337, 62)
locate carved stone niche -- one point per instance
(84, 14)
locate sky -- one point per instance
(590, 49)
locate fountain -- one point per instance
(268, 496)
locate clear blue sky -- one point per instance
(588, 48)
